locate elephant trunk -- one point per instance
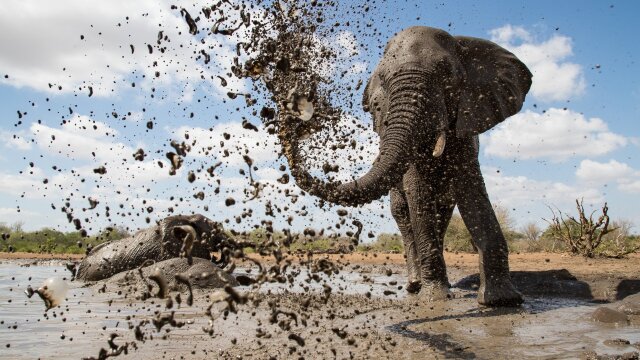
(188, 235)
(407, 107)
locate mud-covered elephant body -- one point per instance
(199, 274)
(430, 96)
(192, 235)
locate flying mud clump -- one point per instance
(286, 61)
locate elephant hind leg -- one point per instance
(400, 212)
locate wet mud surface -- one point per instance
(365, 314)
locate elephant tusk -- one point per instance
(440, 143)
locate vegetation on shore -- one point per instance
(46, 240)
(562, 235)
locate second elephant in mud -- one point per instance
(175, 274)
(181, 235)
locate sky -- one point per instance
(577, 135)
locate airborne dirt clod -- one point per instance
(262, 297)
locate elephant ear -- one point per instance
(496, 84)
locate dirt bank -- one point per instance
(36, 256)
(524, 261)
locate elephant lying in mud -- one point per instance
(169, 275)
(178, 245)
(429, 90)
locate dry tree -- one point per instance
(582, 235)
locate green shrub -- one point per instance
(457, 238)
(52, 241)
(385, 243)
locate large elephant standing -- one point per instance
(430, 96)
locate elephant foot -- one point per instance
(413, 286)
(434, 291)
(501, 294)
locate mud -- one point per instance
(304, 306)
(365, 314)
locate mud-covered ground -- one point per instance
(361, 312)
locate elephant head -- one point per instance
(428, 86)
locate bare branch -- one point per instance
(583, 234)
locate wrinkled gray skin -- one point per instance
(174, 236)
(430, 85)
(201, 273)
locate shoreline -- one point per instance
(464, 261)
(38, 256)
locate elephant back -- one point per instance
(201, 273)
(120, 255)
(495, 85)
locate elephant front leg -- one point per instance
(400, 212)
(496, 288)
(424, 222)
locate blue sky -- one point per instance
(577, 135)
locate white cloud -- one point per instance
(630, 187)
(54, 53)
(519, 190)
(258, 145)
(593, 172)
(358, 68)
(352, 161)
(88, 144)
(15, 141)
(556, 134)
(346, 47)
(347, 40)
(33, 183)
(508, 33)
(9, 216)
(554, 78)
(16, 184)
(597, 172)
(81, 138)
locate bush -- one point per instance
(583, 235)
(48, 240)
(619, 242)
(591, 237)
(458, 239)
(389, 243)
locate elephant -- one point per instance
(172, 274)
(187, 236)
(430, 96)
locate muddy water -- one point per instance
(543, 328)
(65, 331)
(84, 322)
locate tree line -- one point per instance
(583, 234)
